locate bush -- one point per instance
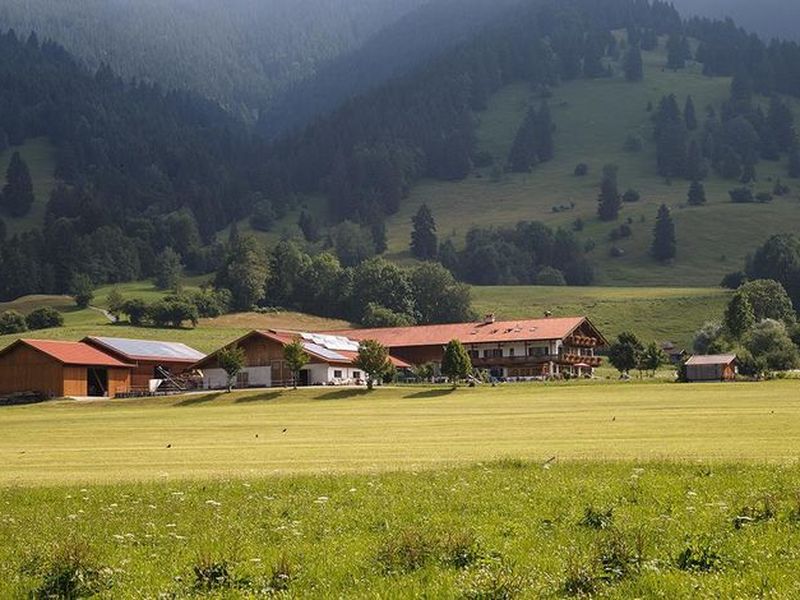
(579, 580)
(742, 195)
(405, 552)
(597, 519)
(44, 318)
(12, 322)
(210, 574)
(616, 252)
(733, 281)
(550, 276)
(376, 315)
(699, 558)
(581, 170)
(173, 311)
(631, 195)
(763, 197)
(71, 573)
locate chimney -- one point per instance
(488, 319)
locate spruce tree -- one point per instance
(424, 243)
(794, 161)
(543, 134)
(17, 196)
(689, 114)
(739, 316)
(632, 65)
(664, 244)
(609, 199)
(697, 194)
(670, 134)
(677, 51)
(696, 168)
(523, 151)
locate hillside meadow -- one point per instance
(593, 118)
(529, 491)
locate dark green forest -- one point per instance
(143, 168)
(238, 52)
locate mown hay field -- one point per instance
(614, 489)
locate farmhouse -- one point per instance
(56, 369)
(715, 367)
(331, 361)
(547, 347)
(155, 364)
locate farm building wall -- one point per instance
(145, 370)
(718, 372)
(23, 369)
(217, 379)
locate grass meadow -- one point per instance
(593, 119)
(530, 491)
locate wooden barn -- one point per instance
(57, 369)
(331, 361)
(714, 367)
(155, 363)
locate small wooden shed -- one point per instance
(57, 369)
(713, 367)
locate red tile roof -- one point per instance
(531, 330)
(72, 353)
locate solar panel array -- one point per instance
(151, 349)
(323, 352)
(331, 342)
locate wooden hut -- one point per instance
(57, 369)
(713, 367)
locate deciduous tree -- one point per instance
(456, 363)
(373, 359)
(232, 361)
(296, 357)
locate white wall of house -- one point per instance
(217, 379)
(324, 374)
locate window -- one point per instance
(337, 374)
(486, 354)
(497, 353)
(356, 374)
(511, 352)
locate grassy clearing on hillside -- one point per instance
(253, 433)
(209, 335)
(505, 529)
(40, 156)
(593, 120)
(660, 314)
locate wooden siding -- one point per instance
(24, 369)
(710, 372)
(75, 381)
(119, 382)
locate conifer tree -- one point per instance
(689, 114)
(739, 315)
(670, 134)
(17, 197)
(543, 134)
(794, 161)
(633, 66)
(677, 50)
(696, 168)
(609, 199)
(697, 194)
(424, 243)
(664, 244)
(523, 151)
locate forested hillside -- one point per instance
(767, 18)
(240, 52)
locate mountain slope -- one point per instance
(239, 52)
(593, 119)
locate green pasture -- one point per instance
(593, 119)
(530, 491)
(335, 430)
(654, 314)
(39, 154)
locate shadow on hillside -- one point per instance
(201, 399)
(266, 397)
(343, 394)
(431, 394)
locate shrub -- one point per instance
(597, 519)
(405, 552)
(71, 573)
(763, 197)
(631, 195)
(742, 195)
(734, 280)
(491, 579)
(581, 170)
(616, 252)
(617, 557)
(762, 510)
(210, 574)
(12, 322)
(633, 143)
(550, 276)
(459, 549)
(699, 558)
(44, 318)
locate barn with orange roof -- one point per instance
(56, 369)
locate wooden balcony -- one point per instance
(512, 361)
(582, 341)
